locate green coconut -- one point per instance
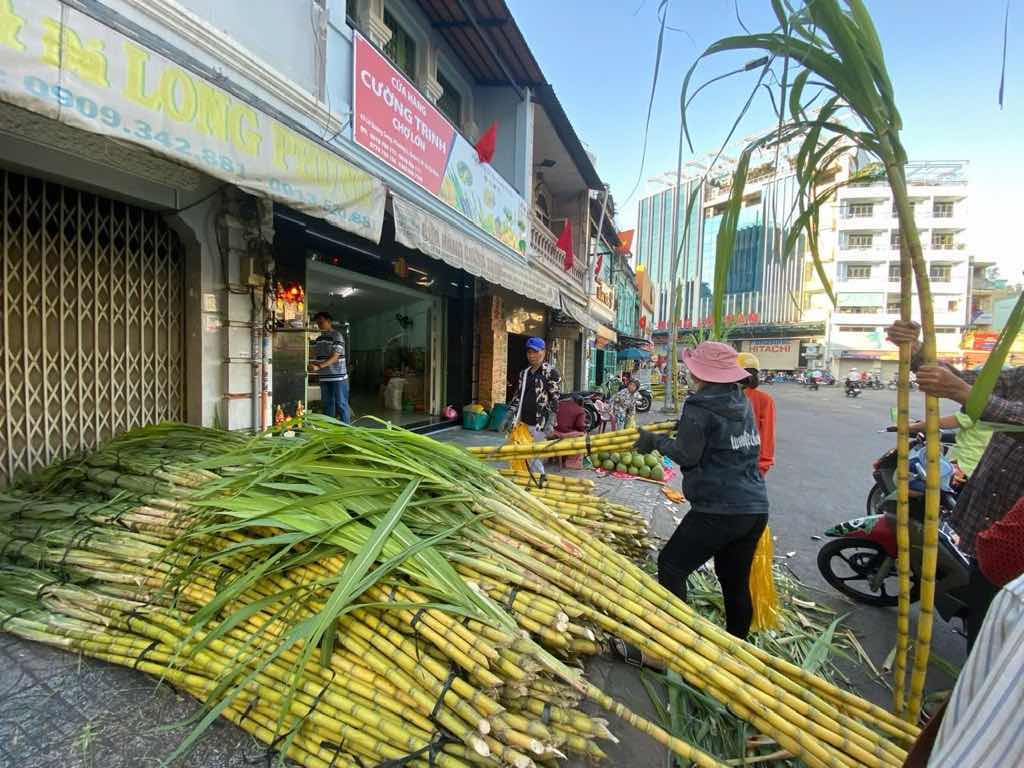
(657, 472)
(620, 467)
(608, 464)
(651, 460)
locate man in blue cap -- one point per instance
(536, 400)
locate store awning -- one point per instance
(415, 228)
(606, 333)
(579, 313)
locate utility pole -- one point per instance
(671, 402)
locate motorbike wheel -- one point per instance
(643, 404)
(876, 496)
(593, 417)
(858, 562)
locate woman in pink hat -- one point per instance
(717, 446)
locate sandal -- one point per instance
(627, 653)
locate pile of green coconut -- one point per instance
(648, 465)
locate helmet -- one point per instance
(747, 360)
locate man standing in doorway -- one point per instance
(535, 403)
(329, 349)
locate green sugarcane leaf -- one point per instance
(819, 652)
(985, 384)
(727, 238)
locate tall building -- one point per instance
(763, 287)
(860, 248)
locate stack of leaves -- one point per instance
(359, 595)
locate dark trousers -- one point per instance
(732, 541)
(334, 396)
(980, 594)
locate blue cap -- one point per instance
(534, 343)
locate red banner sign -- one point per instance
(395, 122)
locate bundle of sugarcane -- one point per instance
(171, 562)
(268, 566)
(620, 439)
(624, 529)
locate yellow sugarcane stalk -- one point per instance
(930, 538)
(903, 491)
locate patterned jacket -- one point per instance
(549, 386)
(997, 482)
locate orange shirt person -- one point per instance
(764, 410)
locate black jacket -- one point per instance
(717, 447)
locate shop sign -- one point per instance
(783, 354)
(88, 76)
(394, 122)
(415, 228)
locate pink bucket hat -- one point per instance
(714, 362)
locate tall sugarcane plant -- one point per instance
(835, 97)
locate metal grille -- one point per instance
(92, 325)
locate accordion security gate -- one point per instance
(92, 326)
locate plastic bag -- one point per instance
(520, 435)
(762, 585)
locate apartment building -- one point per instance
(860, 248)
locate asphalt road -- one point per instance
(825, 445)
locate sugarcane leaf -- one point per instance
(356, 568)
(985, 384)
(727, 238)
(818, 653)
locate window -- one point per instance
(859, 241)
(450, 102)
(942, 241)
(401, 48)
(859, 210)
(895, 240)
(858, 271)
(894, 271)
(953, 305)
(851, 310)
(856, 329)
(942, 210)
(892, 305)
(946, 329)
(940, 273)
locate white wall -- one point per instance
(281, 32)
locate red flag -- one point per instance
(600, 261)
(487, 142)
(564, 244)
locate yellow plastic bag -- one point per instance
(520, 435)
(762, 585)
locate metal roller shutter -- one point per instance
(92, 323)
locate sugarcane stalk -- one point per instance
(929, 554)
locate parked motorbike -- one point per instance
(644, 399)
(860, 558)
(875, 383)
(884, 469)
(589, 402)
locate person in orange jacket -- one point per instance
(764, 409)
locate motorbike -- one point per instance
(589, 402)
(859, 560)
(644, 399)
(853, 389)
(884, 469)
(875, 383)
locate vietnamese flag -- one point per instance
(487, 143)
(564, 244)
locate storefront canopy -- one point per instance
(415, 228)
(579, 313)
(606, 333)
(634, 353)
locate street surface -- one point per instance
(60, 711)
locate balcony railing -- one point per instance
(544, 250)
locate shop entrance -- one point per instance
(392, 339)
(516, 362)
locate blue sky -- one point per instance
(944, 57)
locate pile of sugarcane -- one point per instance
(573, 499)
(610, 442)
(355, 596)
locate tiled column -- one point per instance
(493, 351)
